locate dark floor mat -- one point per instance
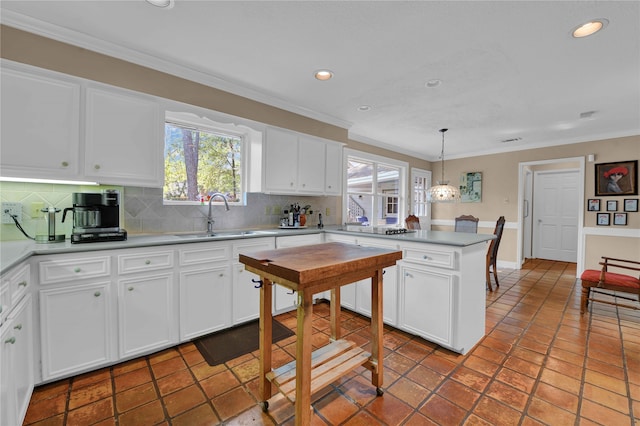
(222, 346)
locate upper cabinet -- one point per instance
(40, 125)
(123, 142)
(42, 118)
(296, 163)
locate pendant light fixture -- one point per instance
(443, 192)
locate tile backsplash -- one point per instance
(142, 210)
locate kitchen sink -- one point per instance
(224, 234)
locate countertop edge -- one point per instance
(15, 252)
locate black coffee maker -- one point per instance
(96, 217)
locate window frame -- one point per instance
(206, 124)
(378, 198)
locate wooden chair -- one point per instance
(492, 253)
(467, 223)
(593, 279)
(413, 222)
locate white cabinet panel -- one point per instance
(333, 170)
(205, 300)
(427, 303)
(76, 328)
(280, 161)
(295, 163)
(146, 313)
(124, 138)
(40, 125)
(16, 364)
(67, 269)
(245, 294)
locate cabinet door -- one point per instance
(246, 296)
(8, 402)
(76, 328)
(280, 161)
(146, 313)
(311, 163)
(124, 142)
(40, 126)
(333, 170)
(21, 341)
(427, 303)
(205, 301)
(389, 286)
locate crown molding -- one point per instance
(45, 29)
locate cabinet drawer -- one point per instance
(204, 253)
(18, 283)
(150, 261)
(431, 257)
(56, 271)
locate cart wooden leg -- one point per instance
(334, 317)
(377, 342)
(303, 358)
(265, 340)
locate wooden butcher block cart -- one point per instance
(309, 270)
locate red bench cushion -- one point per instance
(611, 278)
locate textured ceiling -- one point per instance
(509, 69)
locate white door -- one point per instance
(555, 213)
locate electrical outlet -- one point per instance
(36, 209)
(8, 209)
(327, 211)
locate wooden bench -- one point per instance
(593, 279)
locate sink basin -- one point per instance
(224, 234)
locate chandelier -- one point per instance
(443, 192)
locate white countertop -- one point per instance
(14, 252)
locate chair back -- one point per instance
(413, 222)
(493, 247)
(467, 223)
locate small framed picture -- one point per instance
(630, 205)
(620, 219)
(612, 206)
(593, 205)
(603, 219)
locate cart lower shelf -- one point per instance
(328, 364)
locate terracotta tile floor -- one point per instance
(541, 362)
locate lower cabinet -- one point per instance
(245, 288)
(76, 328)
(205, 300)
(16, 363)
(146, 314)
(427, 303)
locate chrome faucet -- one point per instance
(210, 220)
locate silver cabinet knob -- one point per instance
(11, 340)
(97, 294)
(96, 167)
(22, 284)
(18, 327)
(130, 289)
(147, 262)
(65, 164)
(76, 270)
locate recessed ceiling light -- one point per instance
(323, 75)
(364, 108)
(433, 83)
(165, 4)
(589, 28)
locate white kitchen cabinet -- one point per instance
(40, 123)
(146, 313)
(295, 163)
(280, 161)
(77, 327)
(245, 293)
(124, 138)
(333, 170)
(389, 286)
(147, 305)
(16, 363)
(205, 288)
(427, 302)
